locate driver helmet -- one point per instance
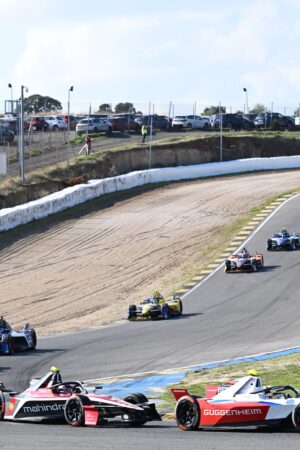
(156, 294)
(253, 372)
(55, 377)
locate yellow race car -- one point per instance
(156, 307)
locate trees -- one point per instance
(212, 110)
(105, 108)
(38, 103)
(125, 108)
(258, 108)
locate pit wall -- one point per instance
(71, 196)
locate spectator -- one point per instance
(88, 143)
(144, 131)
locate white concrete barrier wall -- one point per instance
(59, 201)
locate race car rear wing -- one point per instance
(210, 391)
(179, 392)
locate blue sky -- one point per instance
(160, 51)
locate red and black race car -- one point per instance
(239, 403)
(244, 262)
(49, 398)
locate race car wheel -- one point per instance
(136, 398)
(136, 418)
(188, 414)
(8, 339)
(254, 267)
(34, 339)
(227, 266)
(74, 412)
(132, 312)
(165, 311)
(296, 417)
(180, 307)
(293, 245)
(11, 346)
(2, 405)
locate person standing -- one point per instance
(144, 131)
(88, 143)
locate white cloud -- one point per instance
(190, 52)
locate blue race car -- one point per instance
(11, 340)
(284, 241)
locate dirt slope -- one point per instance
(84, 272)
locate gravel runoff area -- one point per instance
(84, 270)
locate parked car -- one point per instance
(93, 125)
(38, 123)
(6, 135)
(73, 121)
(158, 122)
(191, 121)
(13, 124)
(232, 122)
(55, 123)
(275, 121)
(120, 123)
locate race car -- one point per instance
(11, 340)
(49, 398)
(244, 262)
(284, 241)
(156, 307)
(241, 403)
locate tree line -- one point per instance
(38, 103)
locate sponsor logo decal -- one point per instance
(232, 412)
(44, 408)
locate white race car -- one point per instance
(241, 403)
(11, 340)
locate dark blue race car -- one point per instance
(11, 340)
(284, 241)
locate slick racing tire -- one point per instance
(180, 307)
(165, 311)
(74, 411)
(2, 405)
(296, 418)
(7, 339)
(34, 340)
(227, 266)
(293, 245)
(11, 345)
(136, 419)
(136, 398)
(188, 414)
(132, 312)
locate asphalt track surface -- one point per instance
(227, 316)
